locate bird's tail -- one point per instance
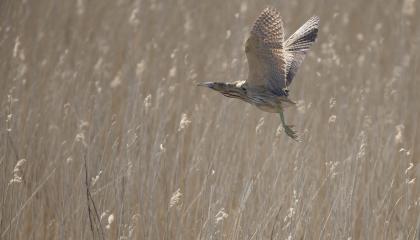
(286, 102)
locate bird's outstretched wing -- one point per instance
(265, 54)
(297, 45)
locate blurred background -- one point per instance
(104, 134)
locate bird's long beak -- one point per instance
(206, 84)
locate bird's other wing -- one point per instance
(297, 45)
(264, 51)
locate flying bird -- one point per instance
(273, 63)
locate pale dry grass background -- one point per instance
(113, 83)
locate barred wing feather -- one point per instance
(265, 53)
(297, 45)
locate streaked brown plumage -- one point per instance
(272, 63)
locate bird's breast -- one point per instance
(271, 103)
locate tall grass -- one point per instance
(106, 90)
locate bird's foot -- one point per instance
(291, 132)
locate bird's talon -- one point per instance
(291, 133)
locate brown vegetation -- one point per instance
(112, 84)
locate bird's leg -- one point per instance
(288, 128)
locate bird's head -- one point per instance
(234, 90)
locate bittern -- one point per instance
(272, 64)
